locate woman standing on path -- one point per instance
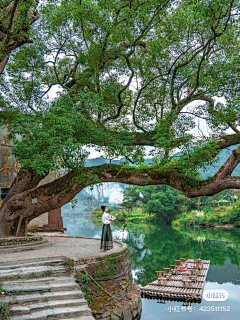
(106, 240)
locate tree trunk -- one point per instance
(165, 220)
(24, 181)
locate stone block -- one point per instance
(106, 314)
(118, 312)
(135, 313)
(127, 315)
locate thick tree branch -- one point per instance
(11, 37)
(222, 179)
(120, 93)
(24, 181)
(55, 194)
(59, 192)
(206, 49)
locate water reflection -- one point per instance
(153, 247)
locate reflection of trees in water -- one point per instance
(224, 234)
(153, 247)
(225, 240)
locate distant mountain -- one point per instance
(209, 172)
(224, 155)
(99, 161)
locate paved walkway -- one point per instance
(62, 245)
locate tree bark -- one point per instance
(55, 194)
(24, 181)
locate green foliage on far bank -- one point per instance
(164, 204)
(156, 202)
(209, 217)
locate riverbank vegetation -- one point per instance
(210, 217)
(165, 205)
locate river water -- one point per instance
(153, 247)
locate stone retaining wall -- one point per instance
(83, 261)
(109, 288)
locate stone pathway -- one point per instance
(41, 289)
(71, 247)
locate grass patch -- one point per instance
(4, 311)
(210, 218)
(48, 272)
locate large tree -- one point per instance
(162, 200)
(129, 74)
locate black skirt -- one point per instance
(106, 240)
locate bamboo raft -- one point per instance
(183, 281)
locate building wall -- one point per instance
(9, 167)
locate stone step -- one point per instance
(30, 271)
(16, 240)
(42, 280)
(32, 276)
(43, 290)
(59, 313)
(33, 263)
(58, 295)
(48, 304)
(81, 318)
(19, 248)
(24, 244)
(9, 262)
(40, 287)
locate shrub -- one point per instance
(209, 217)
(208, 209)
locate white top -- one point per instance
(106, 217)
